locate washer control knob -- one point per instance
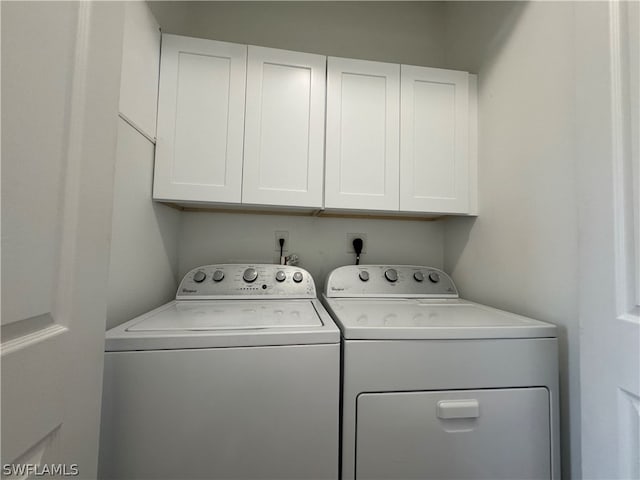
(218, 276)
(281, 276)
(297, 277)
(199, 276)
(250, 275)
(419, 276)
(364, 275)
(391, 275)
(434, 277)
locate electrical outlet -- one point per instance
(279, 235)
(351, 236)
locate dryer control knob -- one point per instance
(281, 276)
(434, 277)
(218, 276)
(419, 276)
(364, 275)
(297, 277)
(250, 275)
(391, 275)
(199, 276)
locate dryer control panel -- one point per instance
(403, 281)
(246, 281)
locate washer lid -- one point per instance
(225, 323)
(229, 315)
(416, 319)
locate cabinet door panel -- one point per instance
(434, 148)
(200, 120)
(362, 135)
(284, 130)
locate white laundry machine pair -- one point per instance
(437, 387)
(238, 378)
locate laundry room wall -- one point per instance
(399, 32)
(520, 254)
(321, 243)
(154, 245)
(143, 265)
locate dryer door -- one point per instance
(463, 434)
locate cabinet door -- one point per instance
(434, 143)
(200, 120)
(284, 128)
(363, 113)
(465, 434)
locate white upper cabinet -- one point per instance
(246, 125)
(284, 128)
(200, 120)
(434, 143)
(362, 142)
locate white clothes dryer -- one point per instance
(437, 387)
(238, 378)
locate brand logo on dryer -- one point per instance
(189, 290)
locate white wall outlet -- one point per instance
(351, 236)
(282, 234)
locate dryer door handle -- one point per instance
(448, 409)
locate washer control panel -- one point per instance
(234, 281)
(390, 281)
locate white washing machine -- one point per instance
(238, 378)
(437, 387)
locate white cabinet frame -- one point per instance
(363, 115)
(284, 128)
(200, 120)
(434, 143)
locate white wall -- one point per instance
(520, 254)
(140, 67)
(144, 244)
(398, 32)
(321, 243)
